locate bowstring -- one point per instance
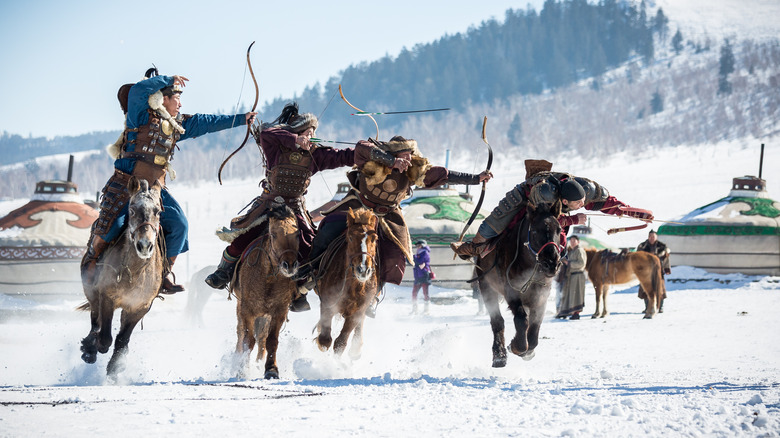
(319, 171)
(235, 112)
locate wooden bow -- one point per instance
(635, 227)
(248, 126)
(484, 183)
(360, 111)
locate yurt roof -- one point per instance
(55, 216)
(439, 212)
(747, 210)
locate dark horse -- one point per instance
(130, 277)
(349, 282)
(264, 288)
(521, 269)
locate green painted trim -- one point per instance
(717, 230)
(758, 207)
(447, 207)
(439, 239)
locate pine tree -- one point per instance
(656, 103)
(726, 68)
(677, 42)
(516, 130)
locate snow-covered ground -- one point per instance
(708, 366)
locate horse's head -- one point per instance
(361, 243)
(143, 221)
(283, 233)
(544, 239)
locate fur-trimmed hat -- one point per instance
(291, 120)
(399, 144)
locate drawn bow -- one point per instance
(248, 126)
(484, 183)
(360, 111)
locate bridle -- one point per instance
(558, 247)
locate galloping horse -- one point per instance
(605, 268)
(264, 288)
(521, 269)
(349, 282)
(130, 277)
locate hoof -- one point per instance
(594, 316)
(89, 357)
(647, 317)
(271, 374)
(528, 355)
(499, 362)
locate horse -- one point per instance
(129, 277)
(348, 282)
(264, 288)
(605, 268)
(521, 269)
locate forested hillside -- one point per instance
(654, 88)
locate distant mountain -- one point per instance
(640, 100)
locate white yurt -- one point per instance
(438, 217)
(42, 242)
(739, 233)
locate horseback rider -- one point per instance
(553, 188)
(153, 127)
(290, 160)
(383, 175)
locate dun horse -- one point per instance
(521, 269)
(264, 288)
(129, 277)
(605, 268)
(349, 282)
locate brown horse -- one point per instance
(129, 277)
(349, 282)
(521, 269)
(605, 268)
(264, 288)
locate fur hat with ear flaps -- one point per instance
(375, 172)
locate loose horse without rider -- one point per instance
(605, 268)
(384, 175)
(264, 288)
(350, 282)
(130, 278)
(153, 127)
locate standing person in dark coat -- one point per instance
(660, 250)
(573, 298)
(422, 274)
(290, 160)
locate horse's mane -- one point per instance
(280, 211)
(362, 217)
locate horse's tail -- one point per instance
(83, 307)
(658, 282)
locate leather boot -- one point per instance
(371, 310)
(89, 264)
(300, 303)
(220, 278)
(169, 285)
(469, 248)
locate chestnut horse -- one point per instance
(349, 281)
(129, 277)
(605, 268)
(521, 269)
(264, 288)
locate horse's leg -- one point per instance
(490, 297)
(340, 344)
(519, 344)
(597, 287)
(534, 321)
(324, 338)
(128, 322)
(274, 326)
(604, 295)
(651, 300)
(357, 341)
(107, 308)
(89, 343)
(245, 342)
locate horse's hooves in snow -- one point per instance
(89, 357)
(272, 374)
(528, 355)
(499, 362)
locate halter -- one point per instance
(558, 247)
(141, 225)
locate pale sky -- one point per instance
(63, 61)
